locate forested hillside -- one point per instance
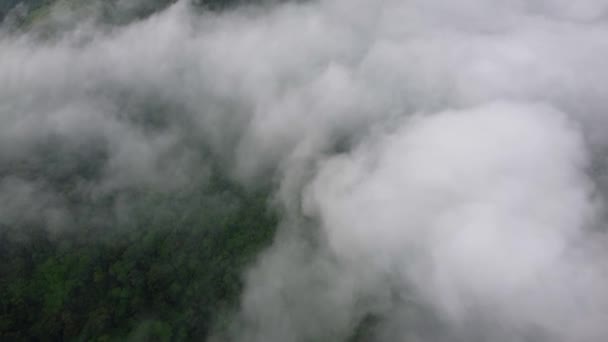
(140, 261)
(143, 264)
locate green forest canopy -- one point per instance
(139, 263)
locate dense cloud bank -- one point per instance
(440, 167)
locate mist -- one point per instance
(439, 169)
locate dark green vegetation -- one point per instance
(141, 264)
(81, 260)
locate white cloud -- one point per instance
(428, 155)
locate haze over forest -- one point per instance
(304, 171)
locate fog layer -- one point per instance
(439, 167)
